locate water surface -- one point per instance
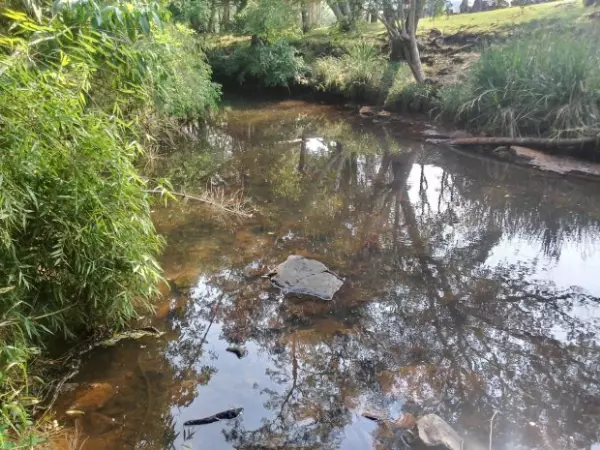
(471, 287)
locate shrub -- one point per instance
(412, 96)
(270, 20)
(181, 76)
(261, 64)
(548, 85)
(357, 74)
(77, 243)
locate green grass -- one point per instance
(498, 22)
(505, 20)
(358, 74)
(548, 85)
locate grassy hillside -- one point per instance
(500, 22)
(529, 70)
(505, 20)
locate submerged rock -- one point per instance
(302, 276)
(434, 431)
(94, 397)
(238, 350)
(366, 111)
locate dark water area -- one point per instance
(471, 287)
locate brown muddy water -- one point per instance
(471, 287)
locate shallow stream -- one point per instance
(471, 287)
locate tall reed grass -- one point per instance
(358, 74)
(547, 85)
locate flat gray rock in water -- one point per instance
(302, 276)
(433, 431)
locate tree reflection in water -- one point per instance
(427, 321)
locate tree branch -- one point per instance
(527, 141)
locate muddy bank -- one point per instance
(579, 162)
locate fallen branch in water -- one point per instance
(232, 204)
(527, 141)
(225, 415)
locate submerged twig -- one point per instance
(216, 198)
(148, 397)
(212, 319)
(492, 428)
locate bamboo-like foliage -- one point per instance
(77, 245)
(77, 242)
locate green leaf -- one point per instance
(144, 24)
(157, 20)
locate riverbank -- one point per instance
(489, 78)
(576, 162)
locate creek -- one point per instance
(470, 287)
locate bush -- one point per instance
(180, 74)
(270, 20)
(548, 86)
(261, 64)
(412, 96)
(77, 243)
(357, 75)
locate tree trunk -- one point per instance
(527, 142)
(313, 13)
(345, 8)
(226, 15)
(406, 49)
(415, 59)
(337, 12)
(397, 49)
(213, 15)
(305, 16)
(256, 41)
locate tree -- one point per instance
(309, 11)
(270, 20)
(346, 12)
(477, 6)
(435, 8)
(464, 6)
(401, 18)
